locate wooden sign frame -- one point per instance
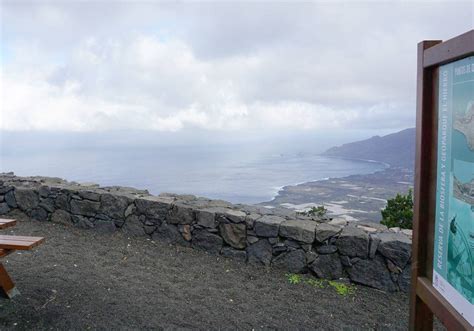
(425, 300)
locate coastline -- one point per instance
(387, 165)
(356, 197)
(281, 188)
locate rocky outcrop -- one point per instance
(368, 254)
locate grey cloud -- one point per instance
(223, 59)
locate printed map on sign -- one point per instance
(453, 261)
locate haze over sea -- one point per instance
(244, 169)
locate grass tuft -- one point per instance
(340, 288)
(294, 278)
(318, 283)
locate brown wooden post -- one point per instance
(6, 283)
(421, 318)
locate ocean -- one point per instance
(239, 172)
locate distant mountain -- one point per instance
(396, 149)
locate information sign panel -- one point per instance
(453, 258)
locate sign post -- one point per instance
(443, 229)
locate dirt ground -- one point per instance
(80, 279)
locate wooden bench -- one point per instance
(4, 223)
(9, 244)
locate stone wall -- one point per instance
(368, 254)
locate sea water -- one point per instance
(239, 172)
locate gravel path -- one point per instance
(80, 279)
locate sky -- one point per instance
(97, 66)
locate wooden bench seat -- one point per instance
(6, 223)
(19, 242)
(9, 244)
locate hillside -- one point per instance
(396, 149)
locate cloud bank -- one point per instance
(87, 66)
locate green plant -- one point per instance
(342, 289)
(294, 278)
(319, 211)
(399, 211)
(315, 283)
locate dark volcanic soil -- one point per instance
(80, 279)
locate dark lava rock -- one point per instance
(250, 220)
(44, 191)
(353, 242)
(168, 233)
(82, 222)
(251, 239)
(93, 196)
(292, 244)
(4, 208)
(39, 214)
(310, 257)
(149, 229)
(268, 226)
(134, 226)
(327, 266)
(206, 218)
(61, 217)
(5, 189)
(374, 244)
(372, 273)
(10, 199)
(299, 230)
(294, 261)
(113, 205)
(26, 199)
(62, 202)
(207, 241)
(234, 234)
(326, 231)
(181, 214)
(152, 208)
(404, 279)
(84, 207)
(273, 241)
(226, 215)
(185, 230)
(279, 248)
(346, 261)
(47, 204)
(326, 249)
(260, 252)
(396, 247)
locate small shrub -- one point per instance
(319, 211)
(294, 278)
(399, 211)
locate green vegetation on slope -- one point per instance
(399, 211)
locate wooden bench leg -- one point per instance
(6, 284)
